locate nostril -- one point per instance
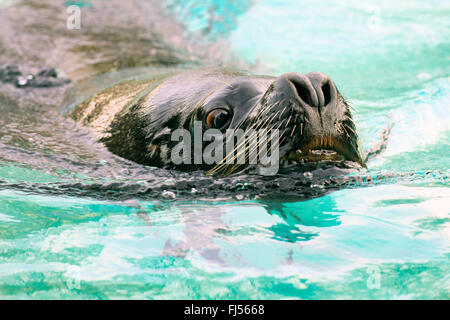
(323, 87)
(326, 90)
(302, 91)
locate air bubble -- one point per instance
(239, 197)
(22, 82)
(168, 195)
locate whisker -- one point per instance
(251, 143)
(345, 130)
(292, 132)
(232, 156)
(350, 128)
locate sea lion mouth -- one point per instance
(322, 148)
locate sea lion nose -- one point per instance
(315, 89)
(324, 87)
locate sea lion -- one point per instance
(135, 119)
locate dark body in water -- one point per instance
(135, 119)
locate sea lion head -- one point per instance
(313, 119)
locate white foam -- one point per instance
(421, 121)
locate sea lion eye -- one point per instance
(218, 118)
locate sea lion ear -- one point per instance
(153, 149)
(157, 148)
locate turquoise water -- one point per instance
(391, 241)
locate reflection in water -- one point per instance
(115, 245)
